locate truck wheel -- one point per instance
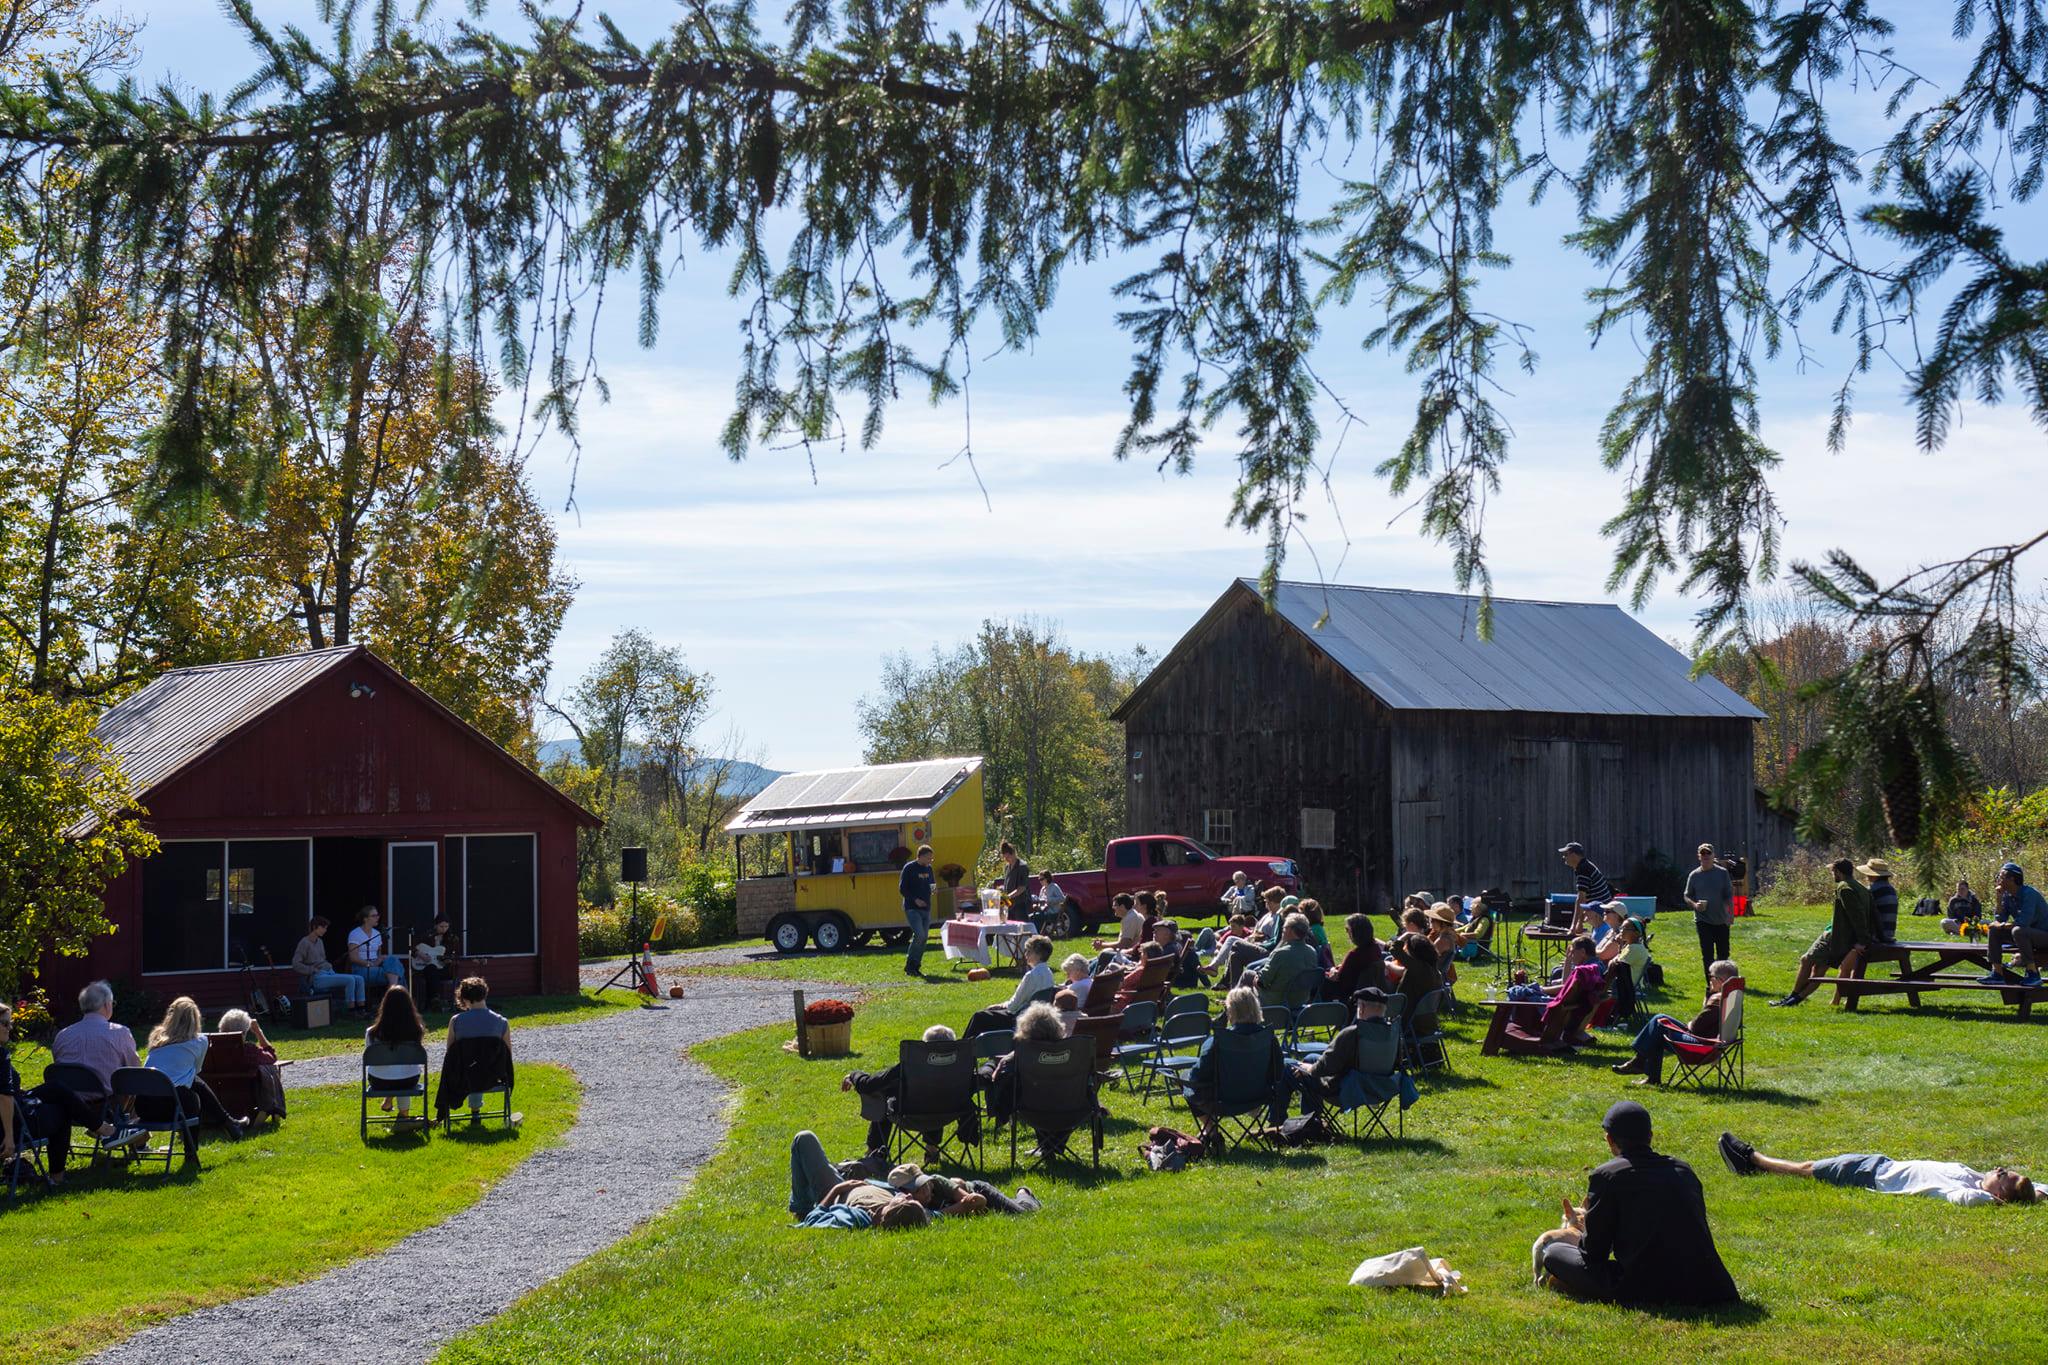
(1071, 923)
(830, 933)
(787, 933)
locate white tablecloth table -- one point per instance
(975, 939)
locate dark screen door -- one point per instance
(415, 892)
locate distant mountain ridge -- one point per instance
(744, 780)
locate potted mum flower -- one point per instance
(828, 1025)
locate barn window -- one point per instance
(1216, 826)
(1318, 827)
(498, 895)
(208, 904)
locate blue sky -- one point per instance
(789, 584)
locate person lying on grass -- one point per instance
(1950, 1180)
(1642, 1236)
(1037, 977)
(869, 1193)
(1657, 1037)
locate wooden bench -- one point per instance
(1851, 985)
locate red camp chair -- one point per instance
(1718, 1063)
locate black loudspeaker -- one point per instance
(632, 864)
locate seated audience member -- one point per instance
(1078, 980)
(1655, 1038)
(1038, 1023)
(1475, 930)
(1131, 921)
(1613, 915)
(1411, 967)
(366, 955)
(1963, 908)
(1848, 930)
(820, 1198)
(1068, 1006)
(1884, 901)
(474, 1018)
(1949, 1180)
(316, 974)
(1443, 936)
(1361, 966)
(261, 1057)
(2022, 925)
(1243, 1017)
(434, 960)
(1210, 941)
(1312, 911)
(1037, 977)
(177, 1047)
(877, 1089)
(46, 1113)
(1239, 953)
(1326, 1080)
(1274, 903)
(1290, 969)
(398, 1021)
(1584, 985)
(1240, 897)
(1626, 947)
(1642, 1237)
(96, 1042)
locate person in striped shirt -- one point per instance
(1593, 887)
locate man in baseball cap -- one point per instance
(1643, 1231)
(1591, 883)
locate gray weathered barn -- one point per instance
(1371, 734)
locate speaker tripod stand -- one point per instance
(628, 977)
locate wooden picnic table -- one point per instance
(1912, 981)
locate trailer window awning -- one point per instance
(833, 798)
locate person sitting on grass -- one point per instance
(398, 1021)
(1243, 1017)
(474, 1018)
(1642, 1237)
(1658, 1036)
(2022, 925)
(1292, 969)
(1848, 930)
(1963, 908)
(1950, 1180)
(1362, 965)
(46, 1113)
(1037, 977)
(177, 1048)
(819, 1197)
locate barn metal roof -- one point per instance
(187, 713)
(1421, 651)
(887, 793)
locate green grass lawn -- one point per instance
(1249, 1257)
(113, 1251)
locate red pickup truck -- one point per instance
(1193, 878)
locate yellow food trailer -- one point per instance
(845, 834)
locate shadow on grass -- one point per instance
(1760, 1094)
(1742, 1313)
(1453, 1080)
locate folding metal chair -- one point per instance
(151, 1093)
(395, 1055)
(1427, 1048)
(1167, 1067)
(1323, 1019)
(479, 1069)
(81, 1081)
(1138, 1040)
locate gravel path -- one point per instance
(649, 1118)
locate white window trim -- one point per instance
(534, 836)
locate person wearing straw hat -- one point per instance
(1884, 901)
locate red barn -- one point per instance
(318, 783)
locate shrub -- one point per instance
(707, 890)
(605, 930)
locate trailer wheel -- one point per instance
(862, 938)
(896, 938)
(830, 932)
(787, 933)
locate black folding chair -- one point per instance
(1236, 1106)
(1055, 1097)
(481, 1067)
(1379, 1055)
(1314, 1026)
(934, 1109)
(992, 1044)
(155, 1108)
(1168, 1067)
(1138, 1042)
(395, 1055)
(83, 1082)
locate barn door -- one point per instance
(414, 895)
(1418, 846)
